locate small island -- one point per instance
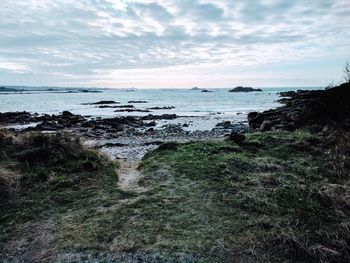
(5, 89)
(244, 89)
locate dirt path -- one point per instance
(129, 176)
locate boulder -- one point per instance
(265, 126)
(236, 137)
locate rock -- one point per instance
(101, 102)
(252, 115)
(315, 108)
(15, 117)
(244, 89)
(90, 91)
(131, 110)
(173, 128)
(255, 119)
(225, 125)
(46, 127)
(113, 107)
(67, 114)
(206, 91)
(137, 101)
(236, 137)
(151, 124)
(265, 126)
(159, 117)
(239, 127)
(161, 108)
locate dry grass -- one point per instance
(45, 179)
(9, 182)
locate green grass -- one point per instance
(280, 196)
(275, 198)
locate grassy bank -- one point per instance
(279, 196)
(50, 192)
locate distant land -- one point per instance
(4, 89)
(25, 89)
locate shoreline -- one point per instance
(172, 195)
(126, 137)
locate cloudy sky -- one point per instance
(173, 43)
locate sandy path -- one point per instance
(129, 176)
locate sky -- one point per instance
(173, 43)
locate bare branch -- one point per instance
(347, 72)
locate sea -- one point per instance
(198, 110)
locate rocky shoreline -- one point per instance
(126, 137)
(130, 137)
(321, 109)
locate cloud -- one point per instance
(74, 42)
(13, 67)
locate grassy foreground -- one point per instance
(280, 196)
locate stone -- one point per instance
(236, 137)
(265, 126)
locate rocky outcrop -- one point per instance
(115, 107)
(70, 121)
(137, 101)
(132, 110)
(101, 102)
(239, 127)
(244, 89)
(15, 117)
(329, 107)
(161, 108)
(159, 117)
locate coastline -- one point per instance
(276, 193)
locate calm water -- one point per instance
(209, 108)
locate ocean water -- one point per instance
(201, 111)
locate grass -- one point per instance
(280, 196)
(50, 191)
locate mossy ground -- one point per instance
(280, 196)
